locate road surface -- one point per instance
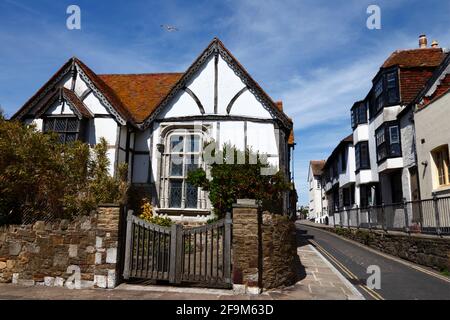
(398, 281)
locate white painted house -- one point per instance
(383, 129)
(149, 119)
(317, 205)
(432, 119)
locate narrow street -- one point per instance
(398, 281)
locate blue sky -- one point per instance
(315, 55)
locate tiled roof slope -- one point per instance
(141, 93)
(416, 67)
(317, 166)
(425, 57)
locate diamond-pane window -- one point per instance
(68, 128)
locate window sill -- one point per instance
(187, 212)
(442, 189)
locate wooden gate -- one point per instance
(198, 256)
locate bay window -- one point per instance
(385, 91)
(387, 139)
(359, 113)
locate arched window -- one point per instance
(182, 154)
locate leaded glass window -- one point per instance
(183, 156)
(67, 128)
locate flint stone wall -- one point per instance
(50, 253)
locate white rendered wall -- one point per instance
(261, 137)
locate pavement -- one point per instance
(399, 279)
(318, 280)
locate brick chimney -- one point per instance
(423, 41)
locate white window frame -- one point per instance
(166, 176)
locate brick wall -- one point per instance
(50, 253)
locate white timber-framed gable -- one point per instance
(214, 100)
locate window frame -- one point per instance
(167, 171)
(359, 113)
(389, 94)
(78, 132)
(387, 145)
(358, 156)
(444, 161)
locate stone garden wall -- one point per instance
(279, 246)
(427, 250)
(52, 253)
(264, 249)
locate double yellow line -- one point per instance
(347, 272)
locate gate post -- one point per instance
(246, 247)
(227, 248)
(128, 243)
(176, 243)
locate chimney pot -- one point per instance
(435, 44)
(423, 41)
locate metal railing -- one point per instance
(431, 216)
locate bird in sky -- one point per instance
(169, 28)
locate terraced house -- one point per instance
(388, 170)
(150, 119)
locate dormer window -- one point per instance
(68, 128)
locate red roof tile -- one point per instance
(317, 166)
(429, 57)
(442, 89)
(141, 93)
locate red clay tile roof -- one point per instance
(70, 97)
(317, 166)
(429, 57)
(73, 98)
(442, 89)
(412, 81)
(141, 93)
(291, 139)
(416, 68)
(107, 92)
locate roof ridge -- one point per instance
(139, 74)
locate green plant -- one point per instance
(230, 182)
(39, 175)
(212, 220)
(445, 272)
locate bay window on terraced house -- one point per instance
(359, 113)
(385, 91)
(387, 139)
(362, 159)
